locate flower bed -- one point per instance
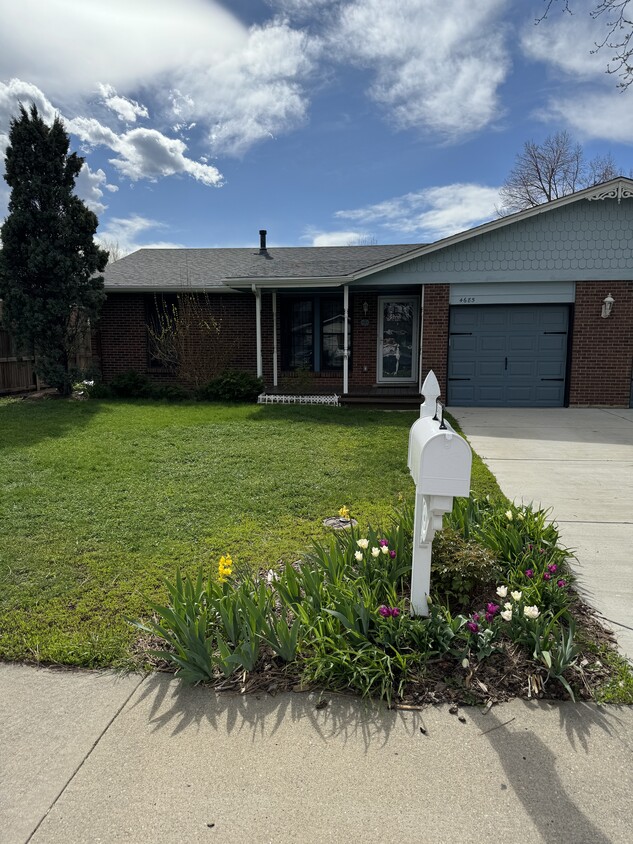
(503, 616)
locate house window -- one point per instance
(312, 333)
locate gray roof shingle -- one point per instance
(165, 269)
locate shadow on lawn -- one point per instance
(25, 423)
(352, 417)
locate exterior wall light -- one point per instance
(607, 306)
(365, 307)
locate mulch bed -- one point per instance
(503, 676)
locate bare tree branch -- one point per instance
(616, 20)
(547, 171)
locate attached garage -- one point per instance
(507, 355)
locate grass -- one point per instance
(99, 501)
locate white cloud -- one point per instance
(90, 185)
(141, 153)
(438, 65)
(590, 105)
(195, 59)
(251, 95)
(68, 47)
(567, 42)
(430, 214)
(334, 238)
(592, 114)
(11, 95)
(125, 109)
(129, 233)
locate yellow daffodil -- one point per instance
(344, 512)
(225, 568)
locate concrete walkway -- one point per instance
(89, 757)
(579, 463)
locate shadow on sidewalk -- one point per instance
(178, 707)
(531, 765)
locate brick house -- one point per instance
(533, 309)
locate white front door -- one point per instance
(398, 339)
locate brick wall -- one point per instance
(120, 341)
(364, 339)
(435, 334)
(602, 349)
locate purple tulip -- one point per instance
(472, 626)
(492, 609)
(392, 554)
(561, 583)
(529, 572)
(552, 568)
(395, 612)
(547, 576)
(384, 611)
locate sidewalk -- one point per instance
(579, 463)
(90, 757)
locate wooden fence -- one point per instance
(16, 371)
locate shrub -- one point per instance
(171, 392)
(232, 386)
(460, 567)
(95, 389)
(131, 385)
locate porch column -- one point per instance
(258, 329)
(345, 339)
(274, 338)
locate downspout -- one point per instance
(274, 338)
(420, 378)
(345, 339)
(258, 328)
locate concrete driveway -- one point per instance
(579, 463)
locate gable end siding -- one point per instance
(584, 240)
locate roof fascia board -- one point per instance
(128, 288)
(493, 225)
(279, 283)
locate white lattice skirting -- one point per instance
(265, 398)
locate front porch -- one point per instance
(368, 346)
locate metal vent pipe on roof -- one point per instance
(262, 242)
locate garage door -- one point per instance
(507, 356)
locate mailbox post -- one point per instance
(439, 462)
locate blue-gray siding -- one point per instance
(585, 240)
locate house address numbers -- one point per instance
(467, 300)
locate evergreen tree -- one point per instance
(48, 260)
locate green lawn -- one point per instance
(99, 501)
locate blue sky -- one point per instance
(323, 121)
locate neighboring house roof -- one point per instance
(226, 269)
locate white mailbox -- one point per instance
(440, 462)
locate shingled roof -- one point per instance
(173, 269)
